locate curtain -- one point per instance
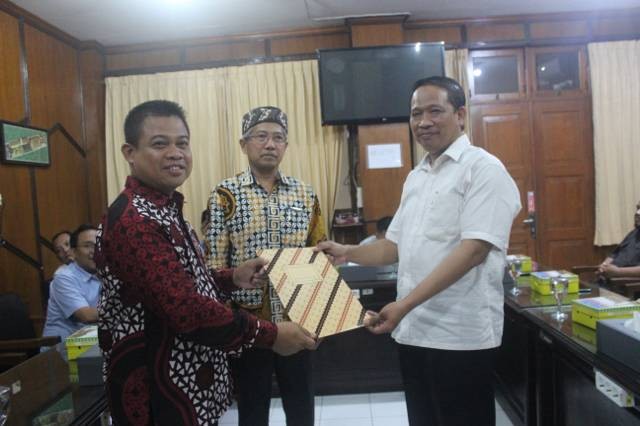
(455, 66)
(615, 80)
(215, 101)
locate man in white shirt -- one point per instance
(450, 236)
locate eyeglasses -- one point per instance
(262, 138)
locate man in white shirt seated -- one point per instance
(450, 236)
(74, 291)
(381, 228)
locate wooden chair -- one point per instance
(629, 287)
(18, 340)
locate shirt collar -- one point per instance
(247, 178)
(138, 187)
(454, 152)
(86, 276)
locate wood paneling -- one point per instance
(308, 44)
(382, 188)
(493, 32)
(93, 94)
(559, 29)
(450, 35)
(54, 89)
(11, 104)
(225, 51)
(18, 226)
(376, 34)
(617, 26)
(21, 278)
(148, 59)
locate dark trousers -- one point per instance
(254, 371)
(448, 388)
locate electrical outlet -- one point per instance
(613, 391)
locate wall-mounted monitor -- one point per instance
(373, 84)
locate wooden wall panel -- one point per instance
(309, 44)
(450, 35)
(11, 104)
(495, 32)
(376, 34)
(617, 26)
(93, 94)
(559, 29)
(54, 89)
(148, 59)
(18, 226)
(225, 51)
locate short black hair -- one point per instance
(156, 108)
(455, 92)
(73, 241)
(57, 234)
(383, 223)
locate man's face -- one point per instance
(636, 217)
(265, 146)
(162, 159)
(62, 248)
(434, 123)
(83, 252)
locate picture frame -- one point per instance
(25, 145)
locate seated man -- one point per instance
(624, 261)
(75, 289)
(62, 248)
(381, 229)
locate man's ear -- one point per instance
(462, 113)
(243, 143)
(127, 152)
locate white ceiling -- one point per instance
(118, 22)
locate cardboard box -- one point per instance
(541, 281)
(81, 341)
(589, 311)
(619, 342)
(526, 265)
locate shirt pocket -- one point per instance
(444, 217)
(296, 217)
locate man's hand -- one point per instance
(251, 274)
(608, 270)
(337, 253)
(387, 319)
(292, 338)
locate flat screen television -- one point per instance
(373, 84)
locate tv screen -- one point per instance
(373, 84)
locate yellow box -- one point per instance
(81, 341)
(589, 311)
(584, 333)
(526, 265)
(550, 300)
(541, 281)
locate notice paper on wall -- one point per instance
(384, 156)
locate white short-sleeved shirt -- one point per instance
(465, 194)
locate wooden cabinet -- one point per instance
(496, 75)
(559, 71)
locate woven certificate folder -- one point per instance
(312, 291)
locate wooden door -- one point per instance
(564, 181)
(504, 130)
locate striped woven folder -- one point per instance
(312, 291)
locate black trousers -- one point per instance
(254, 371)
(448, 388)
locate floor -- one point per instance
(368, 409)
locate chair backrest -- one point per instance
(14, 318)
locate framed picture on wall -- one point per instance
(24, 144)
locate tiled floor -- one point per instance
(368, 409)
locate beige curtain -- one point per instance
(215, 101)
(455, 66)
(615, 81)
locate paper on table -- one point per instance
(312, 291)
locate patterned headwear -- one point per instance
(264, 114)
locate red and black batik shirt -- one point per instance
(164, 329)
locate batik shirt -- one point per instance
(245, 219)
(163, 327)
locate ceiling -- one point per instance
(118, 22)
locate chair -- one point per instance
(18, 340)
(629, 287)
